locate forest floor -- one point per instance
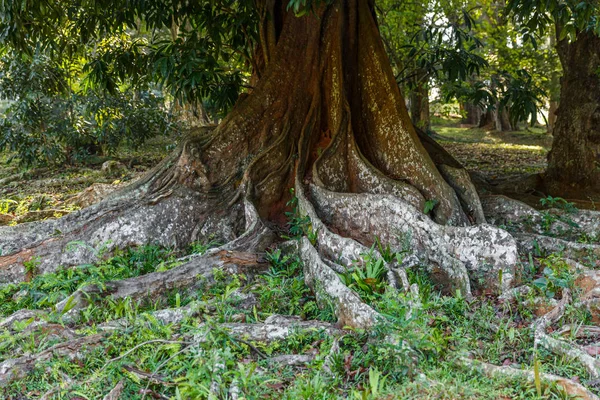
(248, 336)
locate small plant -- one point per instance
(31, 265)
(558, 202)
(299, 225)
(430, 205)
(556, 276)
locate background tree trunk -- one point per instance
(419, 104)
(573, 162)
(503, 120)
(552, 109)
(488, 119)
(472, 114)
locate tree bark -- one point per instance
(472, 114)
(573, 163)
(488, 119)
(419, 104)
(552, 108)
(327, 114)
(503, 122)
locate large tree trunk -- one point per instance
(573, 162)
(327, 119)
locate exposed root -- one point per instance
(336, 250)
(453, 254)
(18, 368)
(571, 351)
(35, 316)
(169, 207)
(532, 243)
(156, 283)
(330, 290)
(115, 393)
(502, 210)
(580, 331)
(275, 327)
(460, 181)
(292, 360)
(571, 387)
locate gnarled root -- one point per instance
(571, 387)
(274, 328)
(168, 207)
(561, 347)
(452, 253)
(157, 283)
(18, 368)
(329, 289)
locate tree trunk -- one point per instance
(472, 114)
(503, 123)
(573, 163)
(327, 120)
(488, 119)
(552, 109)
(419, 105)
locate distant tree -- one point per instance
(574, 161)
(429, 43)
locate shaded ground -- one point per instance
(39, 193)
(184, 344)
(495, 154)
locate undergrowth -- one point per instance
(411, 353)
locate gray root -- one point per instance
(561, 347)
(570, 387)
(453, 254)
(275, 327)
(502, 210)
(336, 250)
(18, 368)
(292, 360)
(571, 351)
(530, 243)
(134, 216)
(330, 290)
(156, 283)
(115, 393)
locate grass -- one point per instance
(411, 354)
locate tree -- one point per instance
(325, 118)
(573, 161)
(428, 42)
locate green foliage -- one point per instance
(282, 289)
(46, 290)
(299, 224)
(430, 205)
(556, 276)
(521, 96)
(49, 123)
(570, 17)
(558, 202)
